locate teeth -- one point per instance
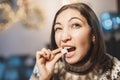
(64, 51)
(66, 47)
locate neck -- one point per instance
(81, 67)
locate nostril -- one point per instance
(66, 38)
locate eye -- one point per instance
(76, 25)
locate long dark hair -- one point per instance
(98, 49)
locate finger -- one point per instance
(38, 54)
(47, 54)
(39, 57)
(43, 53)
(52, 55)
(56, 51)
(56, 58)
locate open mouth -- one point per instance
(71, 49)
(68, 51)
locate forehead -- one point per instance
(69, 13)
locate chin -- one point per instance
(71, 61)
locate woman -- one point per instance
(77, 29)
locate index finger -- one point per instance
(56, 51)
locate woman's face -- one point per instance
(73, 32)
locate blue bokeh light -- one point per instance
(107, 24)
(110, 21)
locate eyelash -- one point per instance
(76, 25)
(58, 28)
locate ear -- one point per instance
(93, 38)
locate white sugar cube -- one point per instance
(64, 51)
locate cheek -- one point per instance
(82, 39)
(57, 40)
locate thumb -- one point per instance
(56, 58)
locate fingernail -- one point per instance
(38, 52)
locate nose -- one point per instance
(66, 36)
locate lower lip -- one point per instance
(69, 55)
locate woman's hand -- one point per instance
(46, 60)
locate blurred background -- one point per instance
(25, 27)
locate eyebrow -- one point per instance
(58, 23)
(76, 18)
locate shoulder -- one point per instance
(111, 67)
(115, 72)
